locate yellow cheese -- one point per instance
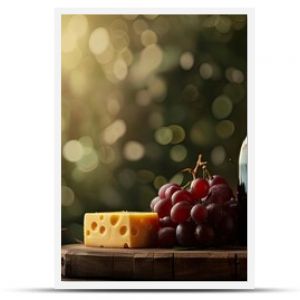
(120, 229)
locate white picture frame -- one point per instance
(147, 285)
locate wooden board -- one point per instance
(91, 263)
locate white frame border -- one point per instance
(163, 285)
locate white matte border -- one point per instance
(171, 285)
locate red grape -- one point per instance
(205, 235)
(161, 192)
(205, 214)
(153, 202)
(199, 213)
(215, 213)
(166, 237)
(181, 195)
(185, 234)
(166, 222)
(220, 193)
(171, 190)
(162, 208)
(226, 226)
(199, 188)
(226, 230)
(232, 207)
(216, 179)
(180, 212)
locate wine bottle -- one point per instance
(242, 193)
(243, 160)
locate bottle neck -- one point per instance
(243, 165)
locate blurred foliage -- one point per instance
(142, 96)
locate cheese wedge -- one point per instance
(120, 229)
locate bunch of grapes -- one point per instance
(204, 213)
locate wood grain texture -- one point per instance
(204, 266)
(241, 267)
(123, 266)
(163, 266)
(143, 266)
(91, 263)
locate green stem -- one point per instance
(186, 185)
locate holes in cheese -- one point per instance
(102, 229)
(114, 219)
(94, 225)
(123, 230)
(120, 229)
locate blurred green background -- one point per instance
(142, 96)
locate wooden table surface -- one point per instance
(91, 263)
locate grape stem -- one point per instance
(199, 165)
(205, 171)
(189, 170)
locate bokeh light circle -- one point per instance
(163, 135)
(178, 134)
(206, 71)
(202, 132)
(88, 162)
(223, 25)
(222, 107)
(67, 196)
(68, 42)
(186, 60)
(225, 129)
(120, 69)
(218, 155)
(78, 25)
(159, 181)
(72, 151)
(148, 37)
(99, 41)
(178, 153)
(114, 131)
(133, 150)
